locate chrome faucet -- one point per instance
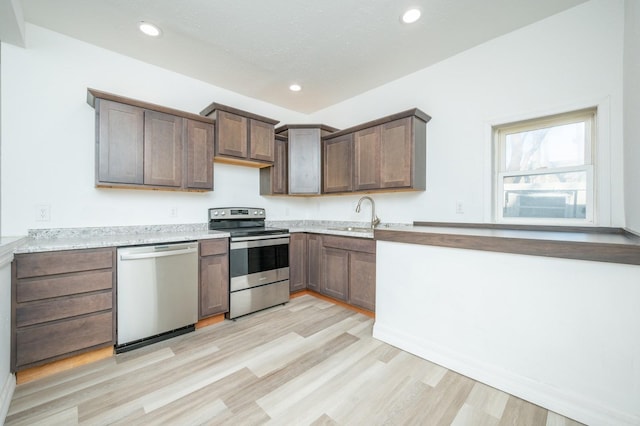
(374, 219)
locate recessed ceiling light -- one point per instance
(149, 29)
(411, 16)
(295, 88)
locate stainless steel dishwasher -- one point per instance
(157, 293)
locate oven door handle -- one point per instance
(260, 237)
(242, 244)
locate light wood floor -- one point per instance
(306, 363)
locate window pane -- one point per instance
(553, 195)
(558, 146)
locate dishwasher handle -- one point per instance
(154, 254)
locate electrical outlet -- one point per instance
(43, 213)
(173, 212)
(459, 207)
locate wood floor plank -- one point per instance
(285, 401)
(469, 415)
(68, 416)
(442, 403)
(196, 405)
(247, 414)
(555, 419)
(324, 420)
(67, 382)
(276, 379)
(330, 316)
(522, 413)
(263, 365)
(308, 362)
(366, 401)
(488, 400)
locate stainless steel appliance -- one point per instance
(157, 293)
(258, 259)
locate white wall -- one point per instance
(557, 332)
(570, 60)
(631, 114)
(7, 380)
(48, 138)
(567, 61)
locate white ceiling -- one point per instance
(335, 49)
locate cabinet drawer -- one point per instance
(46, 288)
(55, 309)
(41, 343)
(61, 262)
(213, 247)
(365, 245)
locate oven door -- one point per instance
(258, 262)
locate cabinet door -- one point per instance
(56, 339)
(231, 137)
(214, 285)
(261, 141)
(199, 145)
(338, 164)
(362, 280)
(396, 157)
(120, 143)
(304, 161)
(367, 159)
(273, 180)
(162, 149)
(297, 262)
(335, 278)
(314, 261)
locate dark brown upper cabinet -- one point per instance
(273, 180)
(242, 138)
(199, 158)
(120, 142)
(337, 164)
(162, 149)
(388, 154)
(304, 156)
(143, 145)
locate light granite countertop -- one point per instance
(42, 240)
(331, 227)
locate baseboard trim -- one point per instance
(568, 404)
(6, 395)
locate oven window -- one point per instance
(245, 261)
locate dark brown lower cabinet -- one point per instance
(335, 279)
(343, 268)
(314, 261)
(297, 262)
(349, 270)
(214, 277)
(63, 304)
(362, 280)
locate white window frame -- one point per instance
(589, 116)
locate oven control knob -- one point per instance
(221, 213)
(255, 212)
(262, 212)
(215, 213)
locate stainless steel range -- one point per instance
(258, 259)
